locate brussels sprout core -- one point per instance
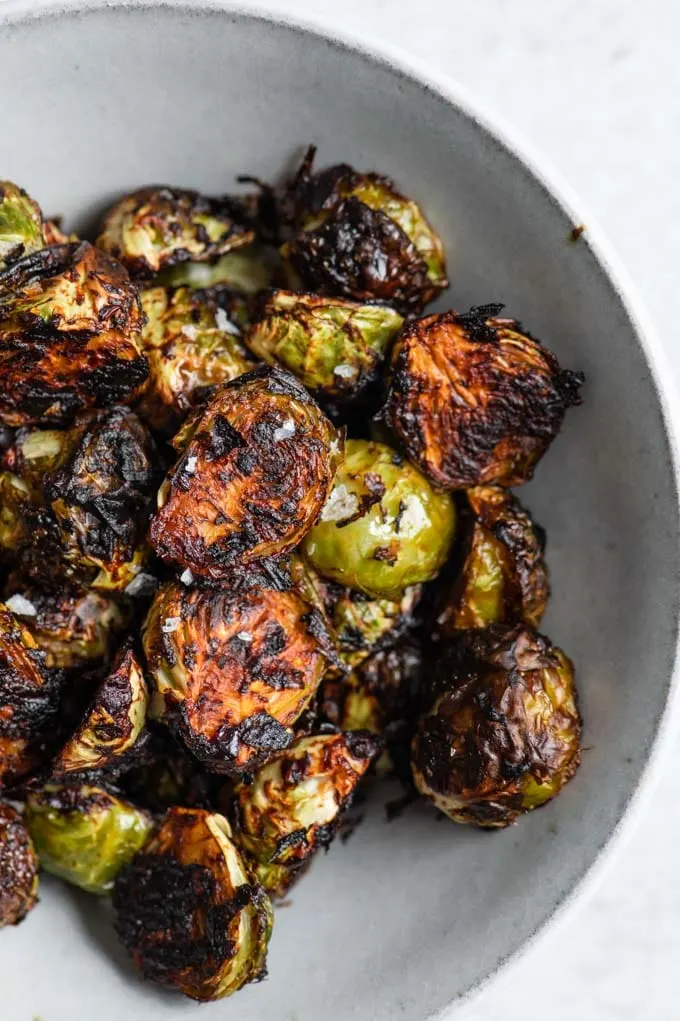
(188, 911)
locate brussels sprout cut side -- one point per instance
(188, 911)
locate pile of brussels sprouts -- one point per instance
(258, 544)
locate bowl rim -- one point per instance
(561, 196)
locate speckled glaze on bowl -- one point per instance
(406, 919)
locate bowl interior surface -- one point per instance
(405, 917)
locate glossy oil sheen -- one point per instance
(405, 918)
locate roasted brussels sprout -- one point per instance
(231, 669)
(70, 627)
(69, 335)
(380, 696)
(154, 228)
(18, 867)
(85, 835)
(192, 343)
(111, 726)
(502, 734)
(16, 505)
(188, 911)
(100, 490)
(294, 803)
(504, 577)
(33, 453)
(334, 346)
(258, 463)
(383, 527)
(356, 235)
(21, 224)
(28, 700)
(247, 270)
(474, 399)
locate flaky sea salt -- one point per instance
(345, 371)
(285, 430)
(224, 323)
(21, 605)
(341, 504)
(170, 624)
(186, 577)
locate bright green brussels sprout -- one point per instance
(85, 835)
(383, 526)
(18, 868)
(192, 342)
(502, 734)
(233, 668)
(504, 577)
(153, 228)
(71, 627)
(187, 909)
(295, 802)
(249, 270)
(28, 700)
(334, 346)
(69, 335)
(257, 464)
(380, 696)
(357, 236)
(21, 224)
(112, 725)
(100, 490)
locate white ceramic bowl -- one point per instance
(408, 917)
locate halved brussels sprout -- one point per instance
(248, 270)
(18, 868)
(474, 399)
(257, 466)
(28, 700)
(192, 343)
(70, 627)
(69, 335)
(334, 346)
(295, 802)
(188, 912)
(358, 236)
(100, 490)
(112, 725)
(383, 526)
(85, 835)
(502, 734)
(504, 577)
(21, 224)
(232, 669)
(380, 696)
(153, 228)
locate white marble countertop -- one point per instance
(596, 88)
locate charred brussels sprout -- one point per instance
(257, 466)
(232, 669)
(16, 508)
(18, 868)
(502, 734)
(28, 700)
(192, 343)
(71, 627)
(383, 527)
(154, 228)
(85, 835)
(100, 490)
(69, 335)
(21, 224)
(294, 804)
(335, 347)
(474, 400)
(112, 725)
(381, 696)
(504, 577)
(356, 235)
(188, 912)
